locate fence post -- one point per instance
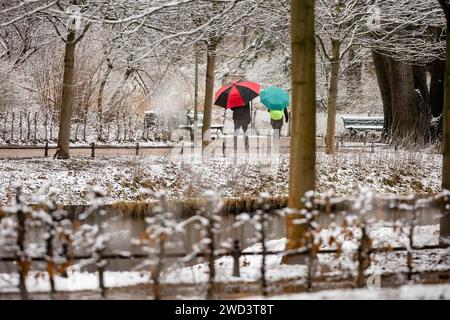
(76, 132)
(28, 126)
(261, 214)
(409, 255)
(35, 126)
(131, 128)
(46, 149)
(4, 125)
(372, 148)
(51, 127)
(45, 126)
(224, 146)
(137, 148)
(84, 127)
(12, 126)
(363, 256)
(236, 254)
(125, 129)
(92, 149)
(20, 126)
(118, 129)
(51, 267)
(22, 260)
(211, 257)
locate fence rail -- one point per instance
(231, 253)
(137, 147)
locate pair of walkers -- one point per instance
(237, 96)
(242, 119)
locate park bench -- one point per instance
(363, 124)
(215, 129)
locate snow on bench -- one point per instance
(355, 124)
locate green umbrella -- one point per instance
(274, 98)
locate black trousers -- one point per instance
(237, 126)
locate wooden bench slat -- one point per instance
(359, 123)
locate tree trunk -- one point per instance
(422, 105)
(332, 97)
(437, 87)
(209, 92)
(65, 116)
(445, 219)
(446, 119)
(100, 100)
(381, 70)
(197, 58)
(402, 84)
(410, 111)
(406, 101)
(303, 141)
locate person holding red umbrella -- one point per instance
(241, 118)
(237, 96)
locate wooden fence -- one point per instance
(36, 127)
(161, 227)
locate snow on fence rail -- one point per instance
(63, 240)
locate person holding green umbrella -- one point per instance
(276, 100)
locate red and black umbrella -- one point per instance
(236, 94)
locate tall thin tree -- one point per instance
(303, 141)
(65, 117)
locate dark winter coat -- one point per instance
(241, 115)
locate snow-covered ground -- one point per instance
(430, 260)
(384, 172)
(77, 281)
(407, 292)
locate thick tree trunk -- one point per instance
(422, 105)
(209, 93)
(402, 85)
(437, 87)
(446, 121)
(332, 97)
(303, 142)
(196, 96)
(382, 71)
(406, 101)
(410, 111)
(65, 116)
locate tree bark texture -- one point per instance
(209, 92)
(65, 116)
(446, 115)
(303, 142)
(406, 101)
